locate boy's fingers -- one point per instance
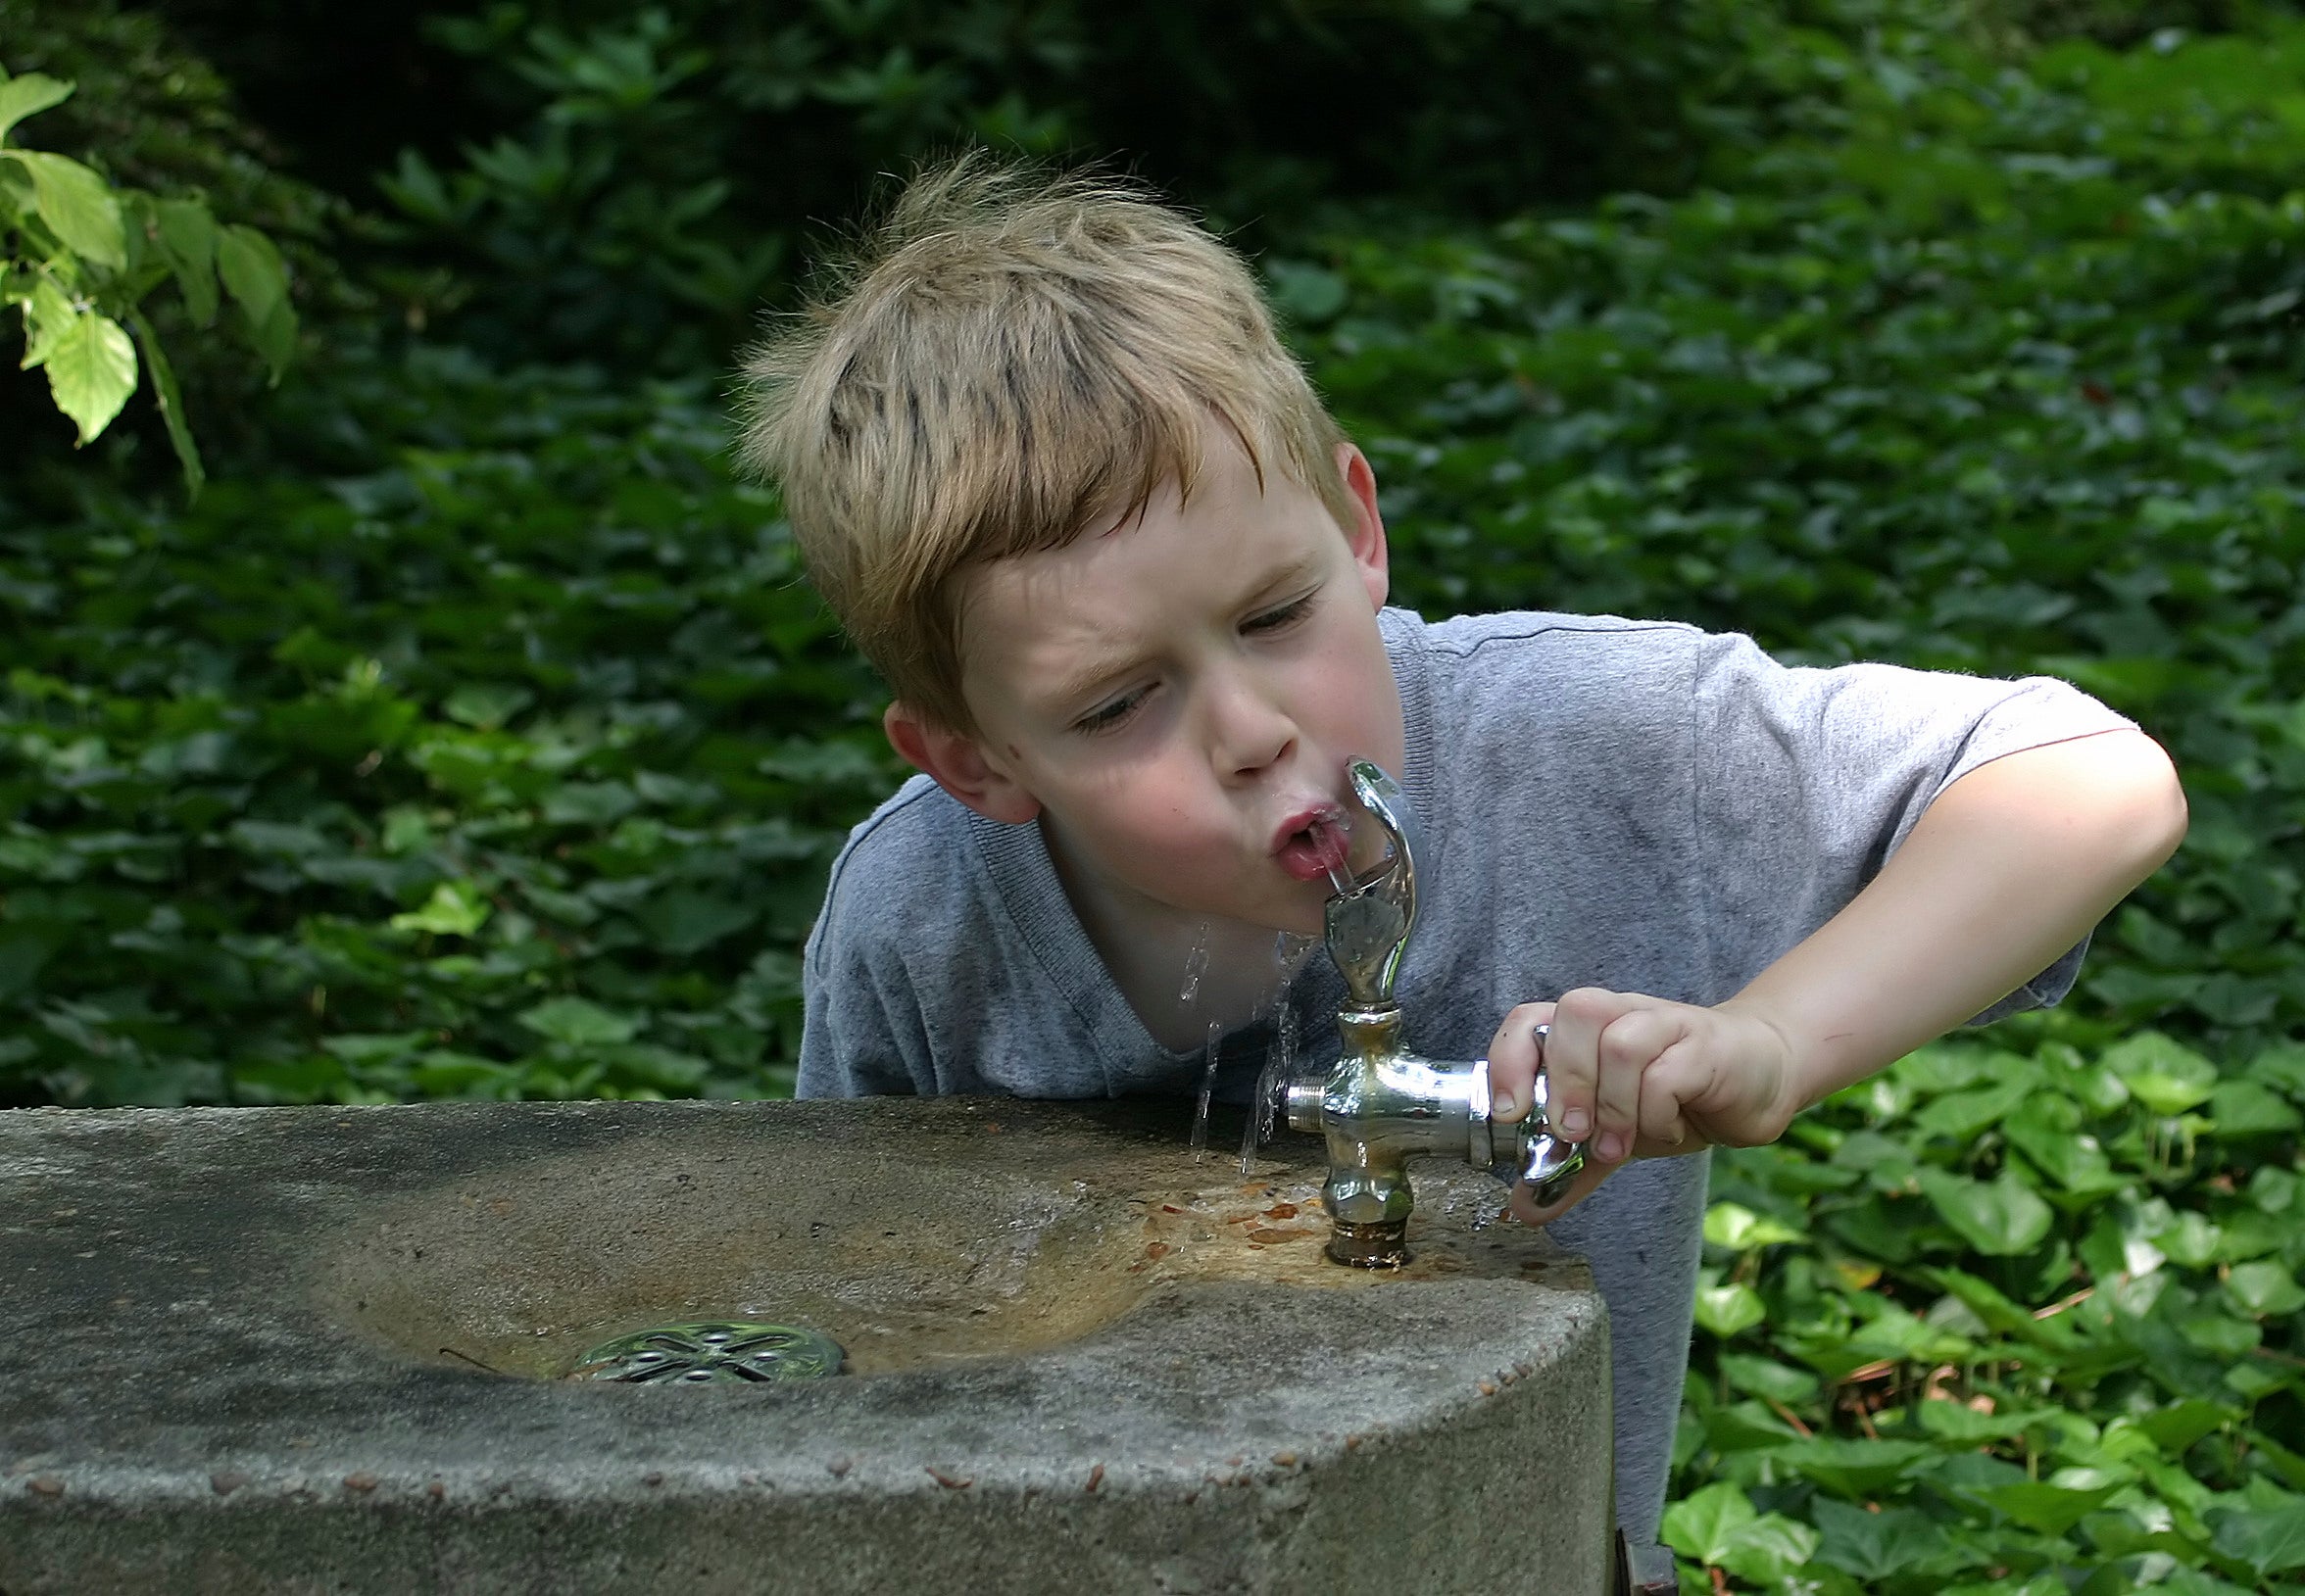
(1629, 1044)
(1675, 1079)
(1572, 1057)
(1514, 1056)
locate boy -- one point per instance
(1049, 464)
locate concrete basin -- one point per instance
(249, 1350)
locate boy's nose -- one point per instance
(1250, 730)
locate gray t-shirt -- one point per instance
(1632, 805)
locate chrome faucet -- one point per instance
(1383, 1105)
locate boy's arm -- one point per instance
(2007, 868)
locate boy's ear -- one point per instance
(1366, 533)
(957, 764)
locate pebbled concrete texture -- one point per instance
(312, 1349)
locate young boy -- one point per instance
(1046, 461)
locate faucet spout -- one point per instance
(1383, 1103)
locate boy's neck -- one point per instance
(1155, 954)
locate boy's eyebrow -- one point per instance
(1080, 684)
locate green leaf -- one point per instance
(686, 922)
(2191, 1242)
(172, 402)
(2264, 1288)
(189, 240)
(251, 269)
(1876, 1546)
(48, 315)
(1765, 1377)
(2165, 1077)
(1852, 1468)
(1719, 1527)
(1952, 1421)
(455, 908)
(91, 373)
(1724, 1310)
(77, 206)
(2052, 1509)
(589, 803)
(1741, 1230)
(1962, 1114)
(27, 95)
(1704, 1527)
(2000, 1219)
(2270, 1540)
(486, 706)
(574, 1022)
(274, 339)
(2047, 1129)
(2244, 1108)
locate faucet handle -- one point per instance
(1529, 1150)
(1368, 926)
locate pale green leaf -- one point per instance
(455, 908)
(2163, 1075)
(1726, 1310)
(77, 206)
(91, 371)
(1740, 1229)
(29, 95)
(1705, 1526)
(48, 316)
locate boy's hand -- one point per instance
(1638, 1077)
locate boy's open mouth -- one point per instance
(1314, 849)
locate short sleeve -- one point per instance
(851, 1045)
(1808, 779)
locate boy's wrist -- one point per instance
(1788, 1060)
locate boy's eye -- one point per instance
(1107, 716)
(1274, 619)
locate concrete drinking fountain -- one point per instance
(306, 1349)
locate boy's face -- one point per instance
(1175, 698)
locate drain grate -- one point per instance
(711, 1353)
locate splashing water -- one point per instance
(1196, 966)
(1331, 838)
(1279, 1066)
(1280, 1055)
(1207, 1086)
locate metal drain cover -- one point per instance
(707, 1353)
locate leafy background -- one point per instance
(470, 735)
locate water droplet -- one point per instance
(1207, 1086)
(1195, 965)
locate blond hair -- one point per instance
(1009, 358)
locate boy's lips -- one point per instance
(1309, 842)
